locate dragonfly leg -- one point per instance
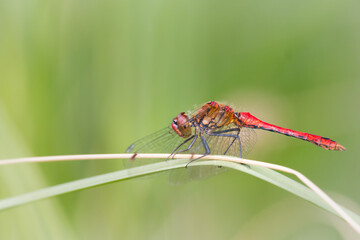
(190, 146)
(207, 150)
(233, 136)
(220, 134)
(228, 130)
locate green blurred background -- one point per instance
(79, 77)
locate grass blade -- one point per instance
(257, 169)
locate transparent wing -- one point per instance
(218, 145)
(162, 141)
(166, 141)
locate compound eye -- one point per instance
(181, 126)
(175, 127)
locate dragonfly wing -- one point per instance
(183, 175)
(162, 141)
(220, 144)
(166, 141)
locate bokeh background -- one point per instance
(80, 77)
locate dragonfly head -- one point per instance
(181, 125)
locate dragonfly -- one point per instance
(216, 129)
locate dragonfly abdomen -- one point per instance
(245, 119)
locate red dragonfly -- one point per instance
(217, 129)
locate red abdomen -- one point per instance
(245, 119)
